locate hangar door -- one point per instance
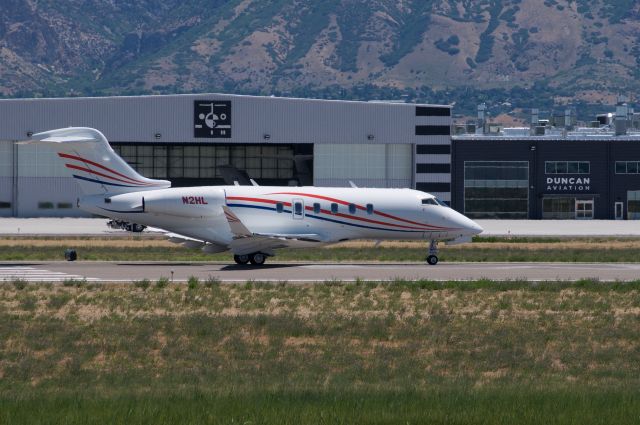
(367, 165)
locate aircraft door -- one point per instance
(297, 209)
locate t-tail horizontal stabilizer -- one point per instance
(89, 159)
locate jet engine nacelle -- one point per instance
(188, 203)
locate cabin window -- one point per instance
(352, 208)
(316, 208)
(334, 208)
(369, 209)
(279, 207)
(429, 201)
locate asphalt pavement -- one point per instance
(301, 273)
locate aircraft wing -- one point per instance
(246, 242)
(188, 242)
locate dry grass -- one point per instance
(106, 242)
(410, 352)
(149, 241)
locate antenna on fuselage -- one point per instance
(253, 182)
(235, 183)
(352, 184)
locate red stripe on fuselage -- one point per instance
(340, 201)
(368, 220)
(75, 167)
(266, 201)
(424, 227)
(77, 158)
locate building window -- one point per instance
(559, 208)
(433, 149)
(369, 209)
(316, 208)
(633, 204)
(5, 205)
(496, 189)
(627, 167)
(433, 130)
(433, 168)
(45, 205)
(567, 208)
(433, 111)
(334, 208)
(204, 161)
(567, 167)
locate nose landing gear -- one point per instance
(432, 258)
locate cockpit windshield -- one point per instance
(434, 201)
(442, 203)
(429, 201)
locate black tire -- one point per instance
(432, 260)
(258, 259)
(137, 228)
(241, 259)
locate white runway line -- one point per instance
(38, 275)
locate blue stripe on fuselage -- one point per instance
(329, 219)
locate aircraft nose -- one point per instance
(469, 226)
(476, 228)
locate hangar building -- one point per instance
(209, 139)
(548, 172)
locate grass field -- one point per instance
(482, 249)
(261, 353)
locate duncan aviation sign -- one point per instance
(568, 184)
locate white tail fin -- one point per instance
(86, 154)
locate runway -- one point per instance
(301, 273)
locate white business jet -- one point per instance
(251, 221)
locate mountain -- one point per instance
(505, 52)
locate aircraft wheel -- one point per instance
(241, 259)
(432, 260)
(258, 259)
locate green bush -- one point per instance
(193, 282)
(162, 282)
(212, 282)
(142, 284)
(19, 283)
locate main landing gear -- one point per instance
(432, 258)
(257, 259)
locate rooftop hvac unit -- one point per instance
(621, 127)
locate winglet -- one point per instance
(237, 227)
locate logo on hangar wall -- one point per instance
(212, 119)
